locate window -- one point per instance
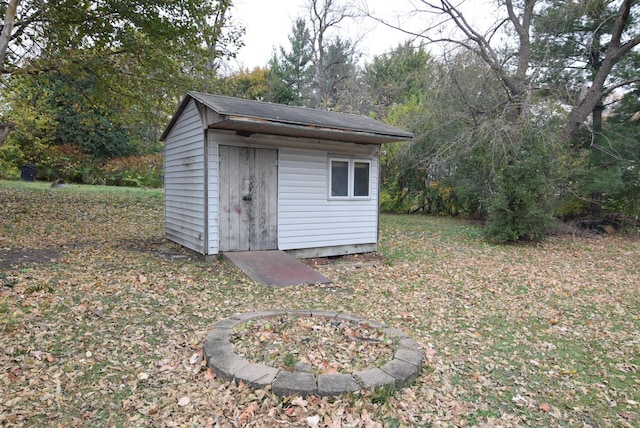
(349, 178)
(339, 178)
(361, 178)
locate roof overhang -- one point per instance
(247, 126)
(253, 117)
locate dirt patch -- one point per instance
(16, 258)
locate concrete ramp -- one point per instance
(275, 268)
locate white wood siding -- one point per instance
(184, 181)
(307, 219)
(306, 216)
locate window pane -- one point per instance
(361, 178)
(339, 178)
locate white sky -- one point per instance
(269, 22)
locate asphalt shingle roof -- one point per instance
(256, 117)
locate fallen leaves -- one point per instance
(195, 358)
(313, 344)
(209, 374)
(108, 328)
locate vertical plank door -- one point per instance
(248, 199)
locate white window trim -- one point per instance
(350, 178)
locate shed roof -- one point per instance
(252, 117)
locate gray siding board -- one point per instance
(307, 217)
(188, 159)
(179, 182)
(184, 181)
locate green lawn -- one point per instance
(102, 322)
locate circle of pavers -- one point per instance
(397, 373)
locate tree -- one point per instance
(292, 71)
(397, 77)
(320, 62)
(120, 26)
(251, 85)
(7, 28)
(458, 126)
(340, 69)
(611, 35)
(584, 44)
(506, 126)
(588, 51)
(325, 17)
(148, 51)
(510, 63)
(60, 115)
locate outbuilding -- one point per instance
(244, 175)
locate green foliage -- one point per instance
(609, 179)
(319, 68)
(517, 210)
(398, 77)
(289, 361)
(470, 158)
(11, 158)
(338, 69)
(74, 102)
(104, 78)
(67, 162)
(448, 167)
(291, 72)
(183, 30)
(520, 206)
(8, 171)
(250, 85)
(136, 171)
(571, 206)
(71, 164)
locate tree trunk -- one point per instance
(7, 29)
(5, 130)
(616, 50)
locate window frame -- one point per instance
(351, 162)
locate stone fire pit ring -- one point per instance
(398, 373)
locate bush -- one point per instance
(520, 205)
(67, 162)
(10, 158)
(8, 171)
(136, 171)
(516, 213)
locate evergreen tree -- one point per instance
(291, 71)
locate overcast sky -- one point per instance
(269, 22)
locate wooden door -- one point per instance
(248, 199)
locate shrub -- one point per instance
(516, 213)
(135, 171)
(519, 207)
(10, 158)
(8, 171)
(67, 162)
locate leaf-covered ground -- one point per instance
(313, 344)
(102, 323)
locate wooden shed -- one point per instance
(245, 175)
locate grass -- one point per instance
(105, 328)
